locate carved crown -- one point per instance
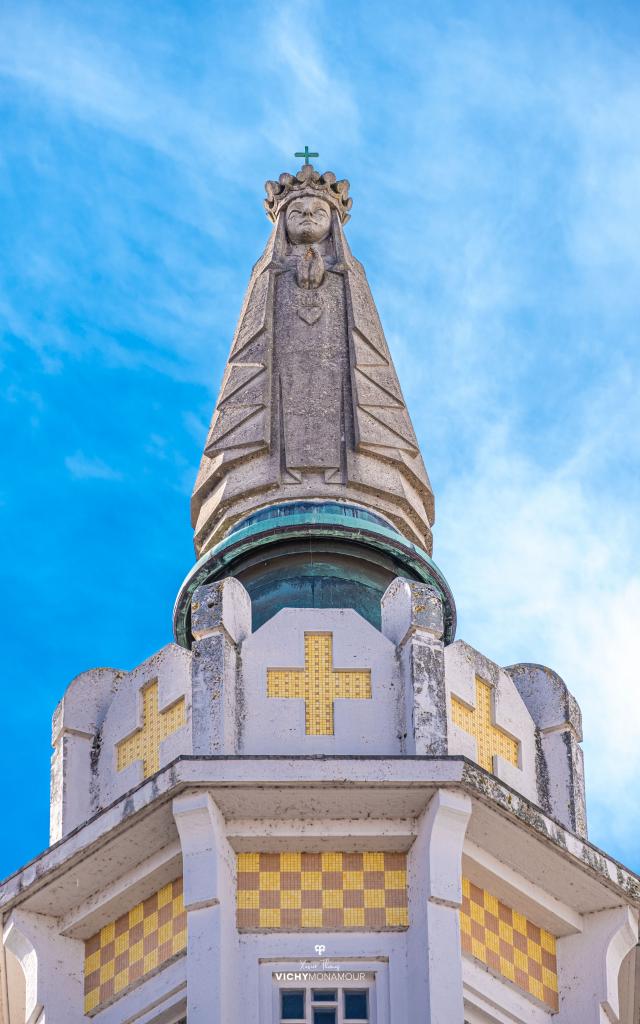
(308, 182)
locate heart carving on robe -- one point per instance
(310, 314)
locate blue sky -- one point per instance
(494, 155)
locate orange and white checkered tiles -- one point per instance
(509, 944)
(322, 891)
(139, 942)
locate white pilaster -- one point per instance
(589, 966)
(53, 968)
(434, 957)
(209, 890)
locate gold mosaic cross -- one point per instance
(490, 739)
(319, 684)
(144, 744)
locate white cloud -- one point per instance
(604, 215)
(308, 98)
(538, 577)
(106, 83)
(86, 467)
(506, 268)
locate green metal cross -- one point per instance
(306, 154)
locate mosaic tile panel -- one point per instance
(144, 744)
(322, 891)
(491, 740)
(140, 941)
(319, 684)
(509, 944)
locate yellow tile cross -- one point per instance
(478, 722)
(319, 684)
(144, 744)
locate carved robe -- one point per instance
(311, 365)
(310, 405)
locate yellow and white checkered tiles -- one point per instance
(509, 944)
(325, 892)
(134, 945)
(322, 891)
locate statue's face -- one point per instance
(308, 220)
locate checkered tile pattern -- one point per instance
(319, 684)
(491, 740)
(126, 950)
(144, 744)
(509, 944)
(322, 891)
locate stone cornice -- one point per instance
(232, 774)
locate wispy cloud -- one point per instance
(507, 275)
(310, 96)
(102, 80)
(537, 578)
(493, 151)
(87, 467)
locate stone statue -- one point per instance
(310, 405)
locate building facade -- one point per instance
(317, 805)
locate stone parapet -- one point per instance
(560, 763)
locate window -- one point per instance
(322, 999)
(356, 1005)
(292, 1006)
(324, 1017)
(324, 1006)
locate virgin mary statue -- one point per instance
(310, 405)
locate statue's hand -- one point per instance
(311, 269)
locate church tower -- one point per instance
(317, 806)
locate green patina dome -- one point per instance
(312, 554)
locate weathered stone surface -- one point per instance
(76, 724)
(547, 697)
(412, 618)
(273, 725)
(409, 607)
(224, 606)
(509, 714)
(310, 404)
(560, 763)
(169, 670)
(221, 620)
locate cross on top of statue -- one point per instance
(306, 155)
